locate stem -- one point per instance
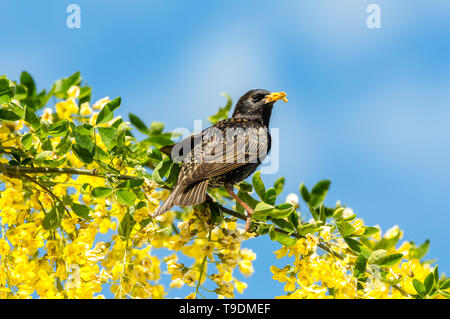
(57, 170)
(202, 269)
(281, 231)
(48, 191)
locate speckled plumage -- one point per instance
(225, 153)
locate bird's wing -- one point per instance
(219, 154)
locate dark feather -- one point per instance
(193, 194)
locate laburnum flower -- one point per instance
(65, 109)
(85, 109)
(73, 91)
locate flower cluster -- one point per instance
(77, 193)
(86, 231)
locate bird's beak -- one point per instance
(275, 96)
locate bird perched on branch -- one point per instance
(225, 153)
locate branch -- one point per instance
(278, 230)
(20, 170)
(48, 191)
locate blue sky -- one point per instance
(368, 108)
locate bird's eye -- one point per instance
(257, 97)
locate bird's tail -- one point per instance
(184, 196)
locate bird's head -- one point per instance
(257, 105)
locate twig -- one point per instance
(48, 191)
(279, 230)
(58, 170)
(202, 269)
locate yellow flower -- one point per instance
(176, 283)
(47, 115)
(85, 109)
(4, 247)
(73, 91)
(190, 296)
(240, 286)
(68, 224)
(100, 103)
(65, 109)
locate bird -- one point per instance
(224, 154)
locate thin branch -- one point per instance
(19, 170)
(202, 269)
(48, 191)
(279, 230)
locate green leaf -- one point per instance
(294, 218)
(262, 229)
(161, 170)
(101, 192)
(53, 218)
(32, 118)
(27, 80)
(318, 193)
(338, 213)
(81, 211)
(59, 128)
(263, 209)
(445, 294)
(420, 251)
(85, 94)
(216, 213)
(85, 188)
(429, 282)
(61, 86)
(21, 92)
(245, 187)
(281, 238)
(222, 114)
(322, 214)
(83, 154)
(436, 275)
(64, 146)
(420, 288)
(314, 213)
(40, 157)
(6, 115)
(270, 196)
(7, 90)
(345, 228)
(125, 226)
(360, 266)
(281, 211)
(156, 128)
(27, 141)
(306, 228)
(108, 136)
(356, 246)
(138, 123)
(369, 231)
(390, 260)
(283, 224)
(125, 197)
(106, 114)
(259, 185)
(172, 177)
(445, 285)
(377, 256)
(131, 183)
(47, 145)
(304, 192)
(279, 185)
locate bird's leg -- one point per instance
(246, 207)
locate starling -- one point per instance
(225, 153)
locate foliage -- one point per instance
(78, 189)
